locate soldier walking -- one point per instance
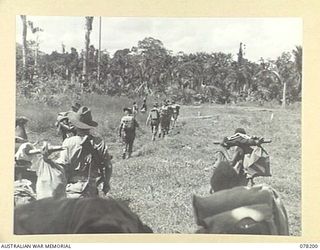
(175, 114)
(154, 119)
(127, 131)
(164, 120)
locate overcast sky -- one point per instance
(264, 37)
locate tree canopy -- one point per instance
(150, 69)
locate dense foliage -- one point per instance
(150, 69)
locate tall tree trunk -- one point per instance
(24, 46)
(99, 54)
(86, 52)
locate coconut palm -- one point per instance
(24, 45)
(89, 20)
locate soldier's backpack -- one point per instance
(242, 210)
(164, 112)
(177, 109)
(128, 123)
(154, 113)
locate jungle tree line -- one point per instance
(150, 69)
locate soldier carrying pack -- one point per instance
(127, 131)
(154, 118)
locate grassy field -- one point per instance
(160, 178)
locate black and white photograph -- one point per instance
(164, 125)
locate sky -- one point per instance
(263, 37)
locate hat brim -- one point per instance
(79, 124)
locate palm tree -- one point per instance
(297, 53)
(24, 45)
(89, 21)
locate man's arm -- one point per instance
(120, 128)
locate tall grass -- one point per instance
(158, 182)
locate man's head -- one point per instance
(76, 107)
(127, 111)
(240, 130)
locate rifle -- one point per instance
(262, 142)
(51, 149)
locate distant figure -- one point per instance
(134, 109)
(170, 113)
(175, 114)
(76, 216)
(154, 119)
(144, 106)
(127, 131)
(164, 120)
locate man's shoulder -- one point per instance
(71, 140)
(126, 117)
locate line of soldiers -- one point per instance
(84, 164)
(163, 118)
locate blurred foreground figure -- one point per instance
(24, 178)
(76, 216)
(85, 161)
(20, 132)
(242, 210)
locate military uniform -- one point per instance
(127, 132)
(154, 118)
(175, 113)
(85, 168)
(164, 121)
